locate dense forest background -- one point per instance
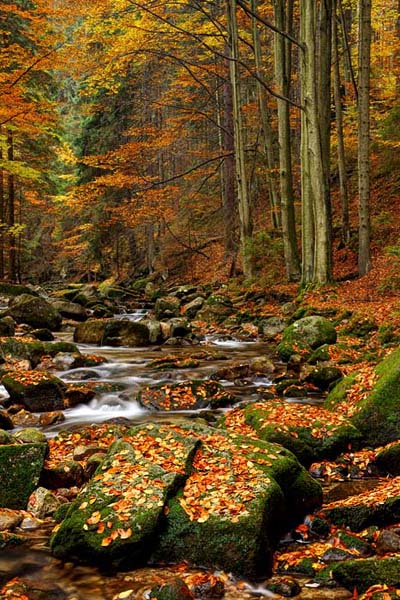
(213, 139)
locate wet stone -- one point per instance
(65, 475)
(51, 418)
(175, 590)
(42, 503)
(283, 585)
(38, 391)
(24, 418)
(184, 396)
(9, 519)
(388, 541)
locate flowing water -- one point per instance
(127, 369)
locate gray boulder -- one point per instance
(306, 335)
(71, 310)
(34, 311)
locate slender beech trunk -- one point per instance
(228, 168)
(245, 217)
(270, 141)
(317, 264)
(12, 266)
(344, 199)
(364, 70)
(283, 14)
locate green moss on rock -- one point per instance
(306, 335)
(362, 574)
(20, 468)
(35, 311)
(378, 416)
(339, 393)
(321, 439)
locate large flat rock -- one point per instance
(188, 492)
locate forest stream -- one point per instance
(126, 369)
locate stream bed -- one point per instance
(126, 368)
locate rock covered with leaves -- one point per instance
(187, 492)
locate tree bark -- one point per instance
(228, 169)
(270, 141)
(283, 79)
(317, 264)
(245, 217)
(344, 199)
(364, 70)
(12, 265)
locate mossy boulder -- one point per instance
(38, 391)
(361, 574)
(323, 375)
(71, 310)
(189, 395)
(126, 333)
(360, 325)
(20, 468)
(388, 459)
(90, 332)
(167, 307)
(35, 311)
(270, 328)
(7, 327)
(113, 332)
(172, 493)
(115, 519)
(380, 507)
(32, 349)
(378, 415)
(216, 308)
(13, 289)
(338, 393)
(240, 497)
(191, 309)
(306, 335)
(311, 433)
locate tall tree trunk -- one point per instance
(270, 141)
(245, 217)
(364, 70)
(344, 199)
(317, 235)
(12, 266)
(283, 15)
(228, 168)
(2, 224)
